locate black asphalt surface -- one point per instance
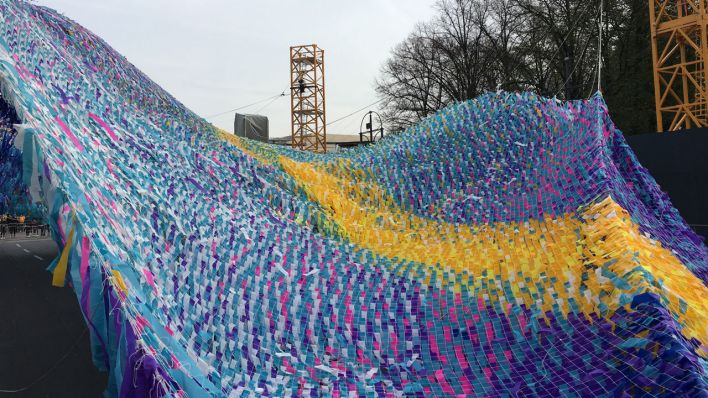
(44, 344)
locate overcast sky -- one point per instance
(216, 55)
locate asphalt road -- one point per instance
(44, 344)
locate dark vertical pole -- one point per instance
(568, 78)
(371, 127)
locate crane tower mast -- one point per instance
(679, 55)
(307, 98)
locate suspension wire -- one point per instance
(570, 30)
(282, 94)
(592, 84)
(545, 36)
(599, 69)
(268, 104)
(599, 50)
(587, 44)
(355, 112)
(50, 370)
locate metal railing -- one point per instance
(15, 230)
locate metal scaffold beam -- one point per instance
(679, 55)
(307, 98)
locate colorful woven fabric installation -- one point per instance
(14, 196)
(510, 245)
(10, 160)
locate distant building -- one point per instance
(335, 142)
(254, 127)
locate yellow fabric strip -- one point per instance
(119, 281)
(59, 275)
(236, 141)
(566, 258)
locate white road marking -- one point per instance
(24, 240)
(38, 258)
(26, 251)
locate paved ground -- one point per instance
(44, 344)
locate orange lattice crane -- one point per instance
(307, 98)
(679, 54)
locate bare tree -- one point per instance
(442, 61)
(410, 83)
(568, 28)
(547, 46)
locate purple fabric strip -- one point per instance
(142, 372)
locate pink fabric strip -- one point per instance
(60, 227)
(109, 163)
(150, 279)
(461, 359)
(466, 386)
(83, 271)
(71, 135)
(440, 376)
(85, 252)
(104, 125)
